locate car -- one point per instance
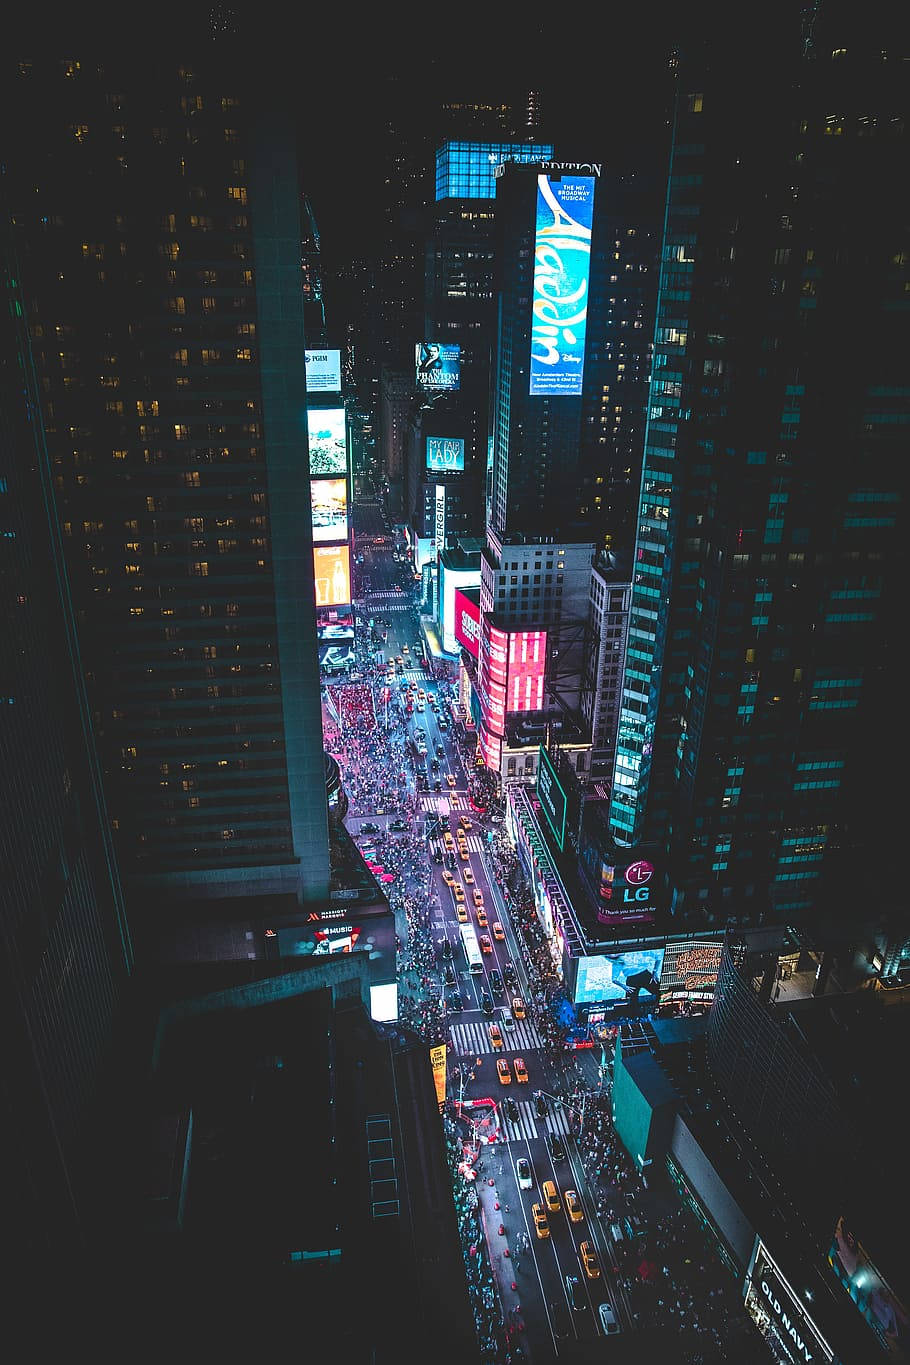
(445, 948)
(450, 861)
(541, 1226)
(399, 826)
(540, 1105)
(443, 723)
(495, 1036)
(399, 661)
(498, 932)
(369, 827)
(447, 877)
(421, 695)
(436, 855)
(608, 1322)
(478, 896)
(440, 750)
(448, 840)
(508, 1021)
(409, 708)
(573, 1206)
(420, 706)
(486, 1002)
(437, 785)
(589, 1260)
(461, 912)
(482, 918)
(450, 779)
(512, 1111)
(508, 972)
(551, 1197)
(466, 824)
(455, 1002)
(449, 973)
(518, 1007)
(485, 945)
(463, 854)
(503, 1071)
(495, 982)
(521, 1071)
(405, 649)
(616, 1232)
(469, 878)
(523, 1170)
(556, 1149)
(458, 890)
(435, 765)
(574, 1293)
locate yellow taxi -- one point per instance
(447, 877)
(589, 1260)
(551, 1197)
(498, 932)
(461, 912)
(466, 824)
(399, 661)
(541, 1226)
(449, 841)
(458, 891)
(478, 895)
(405, 649)
(485, 944)
(469, 878)
(496, 1037)
(518, 1007)
(482, 918)
(521, 1071)
(450, 779)
(463, 853)
(421, 695)
(573, 1206)
(502, 1070)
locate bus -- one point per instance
(471, 948)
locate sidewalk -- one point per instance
(504, 1271)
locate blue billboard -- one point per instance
(438, 366)
(619, 976)
(562, 262)
(445, 454)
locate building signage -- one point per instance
(323, 371)
(789, 1332)
(690, 969)
(562, 261)
(625, 895)
(440, 527)
(332, 569)
(467, 623)
(438, 366)
(329, 498)
(327, 441)
(552, 798)
(882, 1309)
(445, 454)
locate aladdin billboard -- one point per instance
(562, 263)
(323, 371)
(467, 622)
(445, 454)
(438, 366)
(327, 441)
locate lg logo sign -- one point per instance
(639, 873)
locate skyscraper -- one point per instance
(756, 717)
(158, 219)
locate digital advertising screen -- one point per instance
(323, 371)
(445, 454)
(883, 1311)
(562, 262)
(690, 970)
(330, 509)
(450, 580)
(527, 670)
(626, 894)
(327, 441)
(552, 798)
(619, 976)
(467, 622)
(438, 366)
(332, 569)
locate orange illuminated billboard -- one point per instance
(332, 567)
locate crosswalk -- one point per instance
(473, 1040)
(415, 675)
(528, 1126)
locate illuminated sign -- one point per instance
(445, 454)
(327, 441)
(883, 1311)
(690, 969)
(466, 170)
(619, 976)
(790, 1334)
(552, 798)
(450, 581)
(323, 371)
(438, 1063)
(467, 623)
(330, 509)
(440, 526)
(438, 366)
(625, 895)
(562, 260)
(527, 670)
(332, 569)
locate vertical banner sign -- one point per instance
(440, 518)
(562, 262)
(438, 1063)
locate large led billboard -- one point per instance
(466, 628)
(690, 970)
(330, 509)
(445, 454)
(327, 441)
(323, 371)
(626, 894)
(438, 366)
(884, 1313)
(619, 976)
(552, 798)
(562, 262)
(332, 568)
(527, 670)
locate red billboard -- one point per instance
(527, 669)
(467, 622)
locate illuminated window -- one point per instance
(238, 193)
(200, 568)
